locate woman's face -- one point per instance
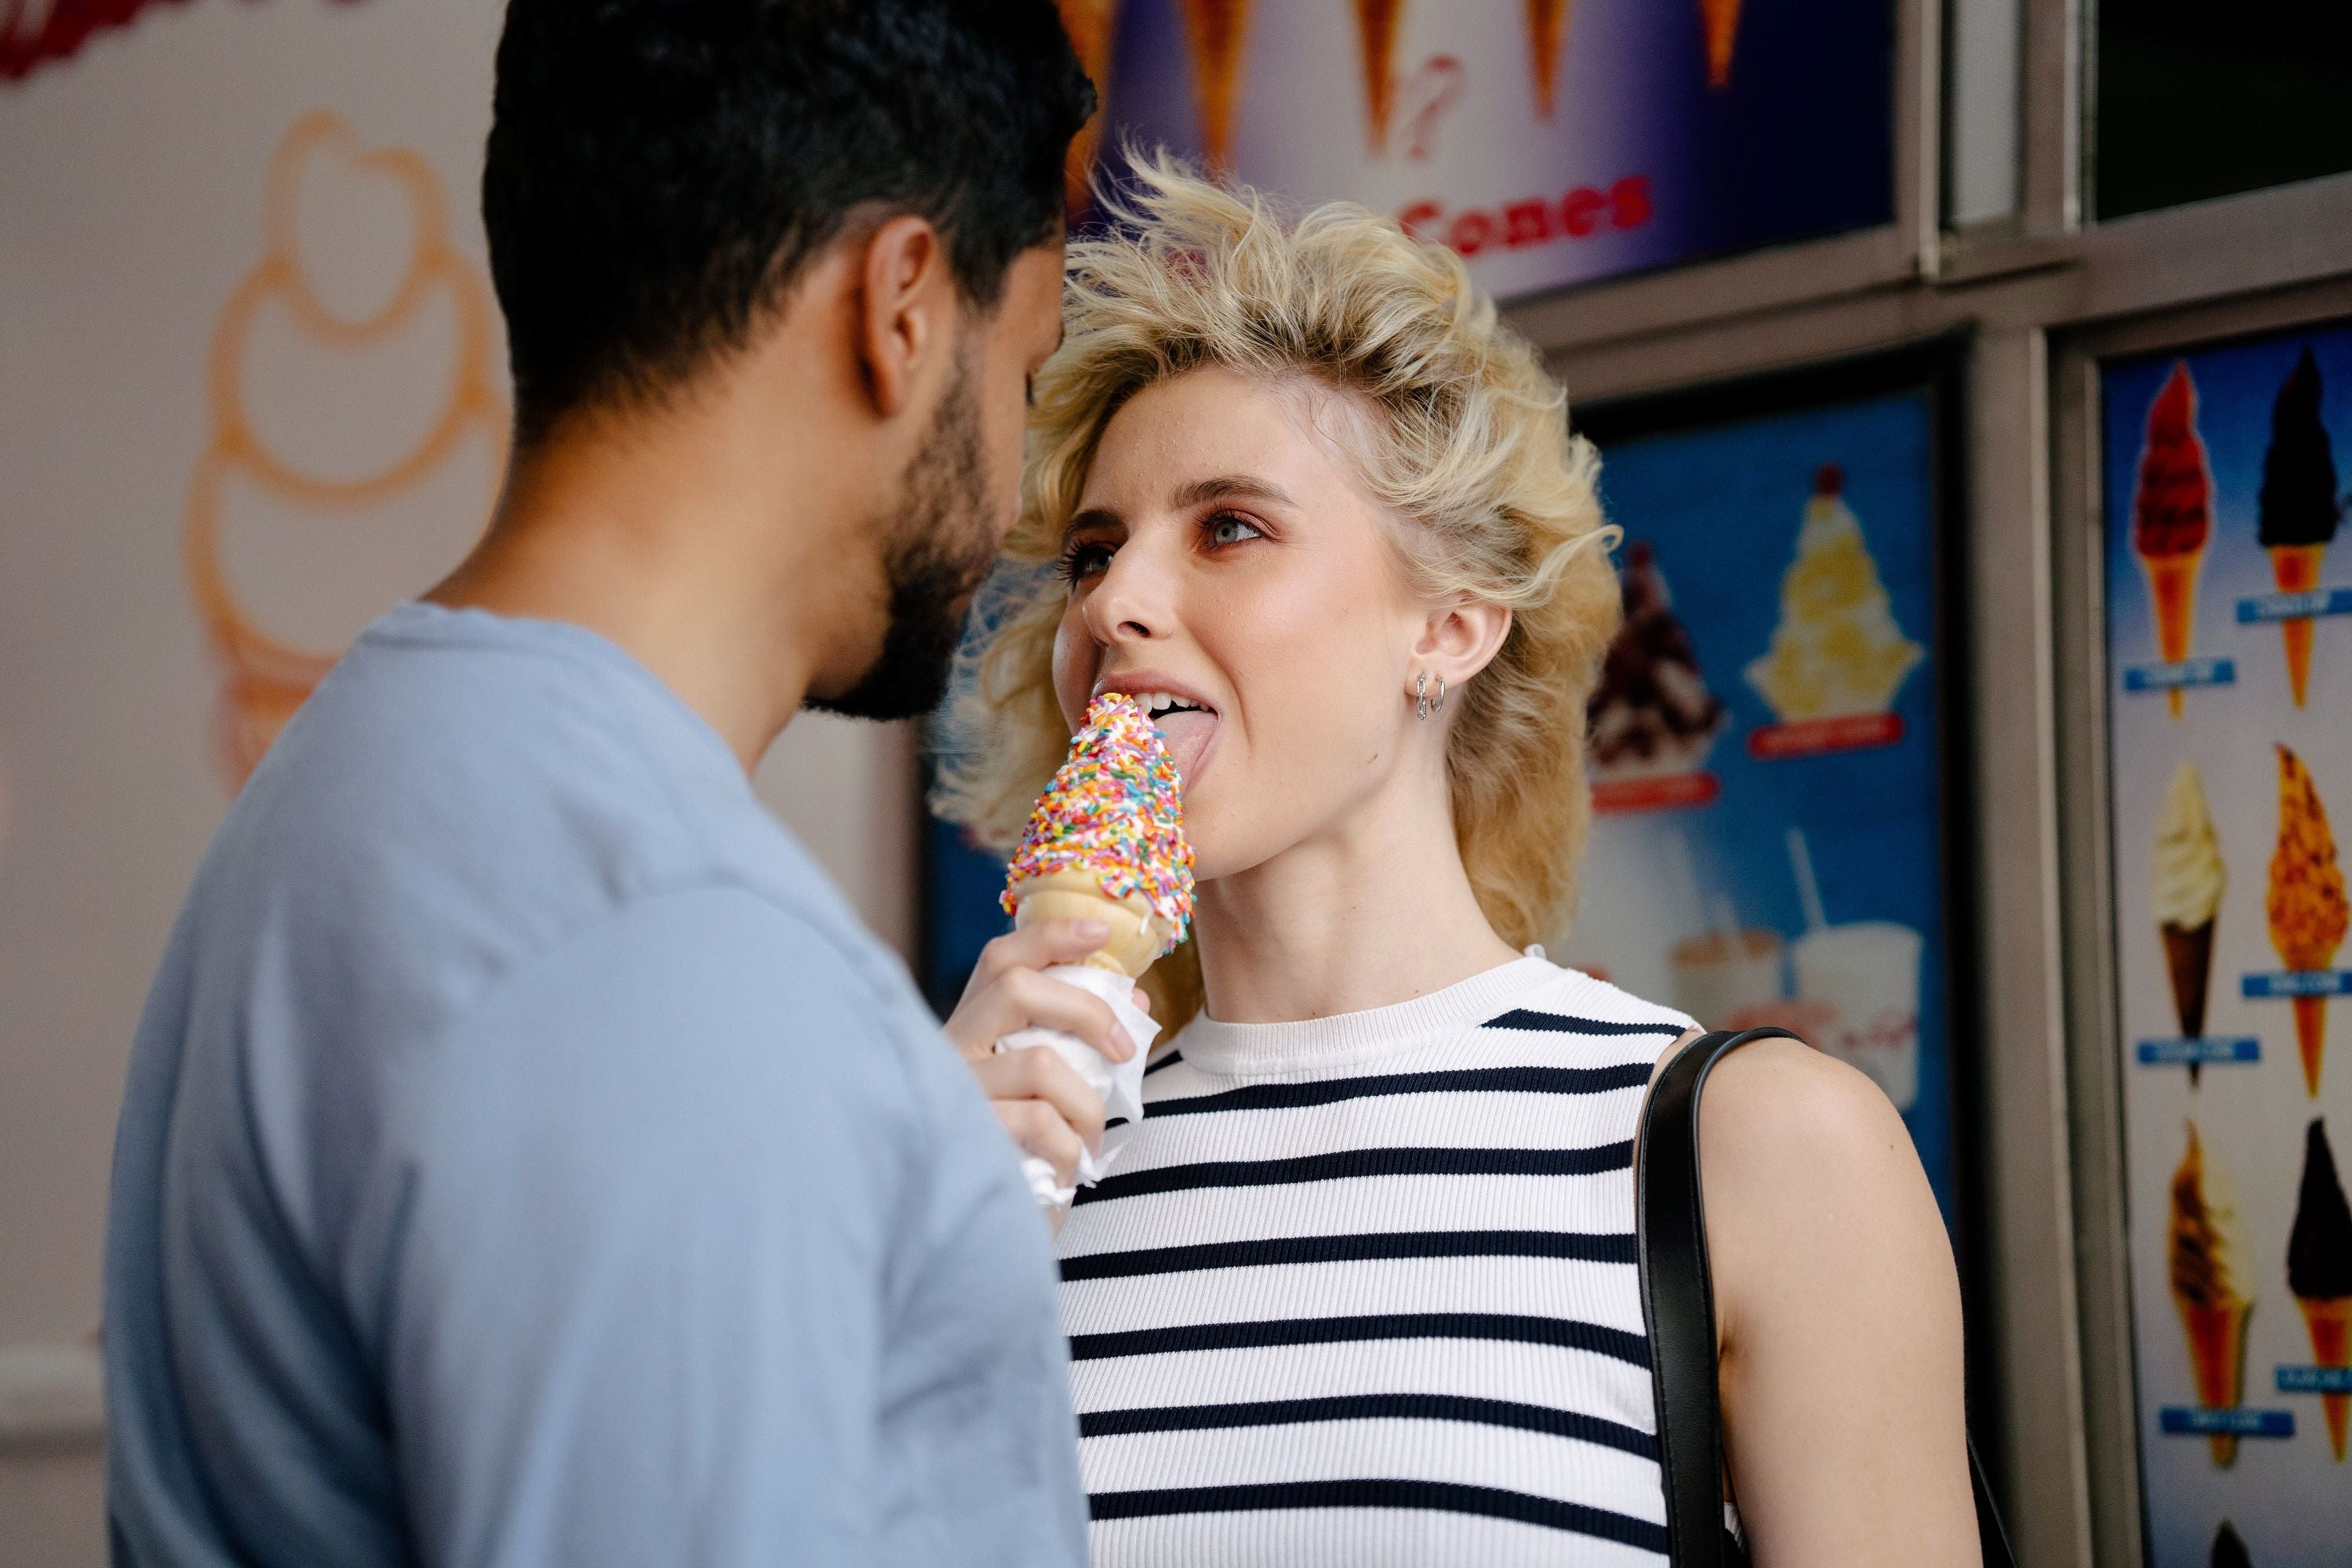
(1223, 555)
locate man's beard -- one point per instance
(939, 544)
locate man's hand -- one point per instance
(1049, 1110)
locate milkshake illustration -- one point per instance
(1651, 713)
(2208, 1261)
(2172, 515)
(1093, 28)
(1720, 21)
(248, 481)
(2305, 904)
(1837, 650)
(1216, 32)
(2185, 882)
(2319, 1269)
(1376, 37)
(2299, 509)
(1547, 30)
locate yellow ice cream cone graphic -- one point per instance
(1093, 28)
(2206, 1257)
(1547, 30)
(266, 673)
(1720, 20)
(1376, 37)
(2305, 903)
(1217, 32)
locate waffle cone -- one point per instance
(2329, 1319)
(2310, 1037)
(2172, 581)
(1376, 33)
(1547, 30)
(1215, 30)
(1720, 21)
(1138, 936)
(2217, 1350)
(2296, 568)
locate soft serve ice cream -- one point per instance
(1837, 650)
(2185, 881)
(1105, 842)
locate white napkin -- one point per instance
(1119, 1083)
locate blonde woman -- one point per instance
(1360, 1287)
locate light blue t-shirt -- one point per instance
(527, 1159)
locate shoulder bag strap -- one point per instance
(1678, 1311)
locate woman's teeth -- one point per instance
(1156, 703)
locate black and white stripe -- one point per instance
(1362, 1290)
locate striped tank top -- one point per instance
(1362, 1290)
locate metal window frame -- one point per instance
(2042, 296)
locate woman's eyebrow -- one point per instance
(1093, 517)
(1229, 487)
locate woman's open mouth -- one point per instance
(1185, 725)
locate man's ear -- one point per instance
(905, 295)
(1461, 638)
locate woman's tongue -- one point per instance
(1187, 733)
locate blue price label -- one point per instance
(2315, 1380)
(2209, 1048)
(2188, 672)
(2296, 983)
(2240, 1421)
(2256, 607)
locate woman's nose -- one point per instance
(1129, 604)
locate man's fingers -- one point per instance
(1033, 998)
(1037, 945)
(1040, 1075)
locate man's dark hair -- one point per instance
(660, 171)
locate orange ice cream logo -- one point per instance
(339, 406)
(2172, 515)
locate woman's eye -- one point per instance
(1083, 560)
(1226, 529)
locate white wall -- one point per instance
(134, 190)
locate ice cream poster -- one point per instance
(2229, 694)
(1768, 842)
(1550, 142)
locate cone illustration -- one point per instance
(1376, 37)
(1720, 20)
(1216, 31)
(2205, 1262)
(2172, 515)
(2185, 881)
(1092, 26)
(2319, 1269)
(2306, 905)
(1547, 30)
(2298, 507)
(267, 672)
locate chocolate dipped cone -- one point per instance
(2319, 1268)
(1216, 31)
(2297, 509)
(1547, 30)
(1376, 35)
(2205, 1261)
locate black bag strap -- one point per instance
(1678, 1311)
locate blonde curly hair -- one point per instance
(1467, 446)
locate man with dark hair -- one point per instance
(526, 1158)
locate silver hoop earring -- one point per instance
(1423, 705)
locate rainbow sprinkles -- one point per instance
(1115, 813)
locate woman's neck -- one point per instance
(1376, 911)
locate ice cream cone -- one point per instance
(1137, 935)
(2189, 960)
(1720, 18)
(2217, 1350)
(2310, 1037)
(2329, 1319)
(1216, 30)
(2297, 568)
(2172, 579)
(1376, 35)
(1090, 24)
(1547, 30)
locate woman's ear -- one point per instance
(1461, 638)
